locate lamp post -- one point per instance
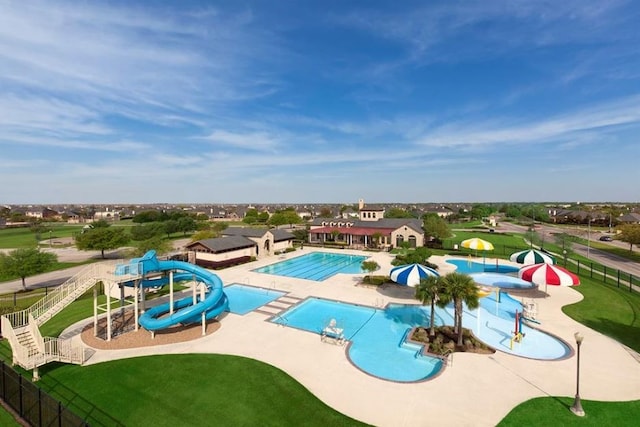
(576, 408)
(50, 245)
(564, 253)
(589, 238)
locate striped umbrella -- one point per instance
(532, 256)
(411, 274)
(548, 274)
(477, 244)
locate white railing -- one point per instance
(70, 290)
(61, 350)
(26, 322)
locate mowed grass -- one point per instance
(190, 389)
(614, 312)
(23, 237)
(505, 244)
(554, 411)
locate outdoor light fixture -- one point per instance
(576, 408)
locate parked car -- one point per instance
(606, 238)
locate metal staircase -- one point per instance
(31, 350)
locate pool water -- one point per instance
(467, 267)
(245, 299)
(316, 266)
(378, 335)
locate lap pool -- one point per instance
(244, 299)
(316, 266)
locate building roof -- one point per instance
(224, 244)
(278, 234)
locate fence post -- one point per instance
(591, 270)
(39, 406)
(578, 272)
(15, 298)
(20, 395)
(618, 278)
(59, 414)
(605, 274)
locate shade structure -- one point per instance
(411, 274)
(477, 244)
(547, 274)
(532, 256)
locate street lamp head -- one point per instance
(578, 338)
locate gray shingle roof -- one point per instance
(227, 243)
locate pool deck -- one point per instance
(477, 390)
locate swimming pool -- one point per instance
(377, 335)
(244, 299)
(466, 267)
(316, 266)
(501, 281)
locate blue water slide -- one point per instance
(185, 310)
(160, 281)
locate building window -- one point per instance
(399, 240)
(412, 241)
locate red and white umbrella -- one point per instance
(548, 274)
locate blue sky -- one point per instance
(326, 101)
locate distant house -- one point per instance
(223, 251)
(630, 218)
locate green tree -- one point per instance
(26, 262)
(459, 288)
(157, 243)
(147, 231)
(187, 224)
(101, 239)
(147, 216)
(301, 234)
(398, 213)
(204, 235)
(480, 211)
(171, 226)
(326, 213)
(370, 267)
(436, 227)
(287, 216)
(630, 234)
(427, 293)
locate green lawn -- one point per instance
(189, 389)
(505, 244)
(15, 238)
(554, 411)
(607, 309)
(6, 419)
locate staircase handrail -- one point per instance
(35, 333)
(81, 281)
(62, 350)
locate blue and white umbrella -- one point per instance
(411, 274)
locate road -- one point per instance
(601, 257)
(70, 254)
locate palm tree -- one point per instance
(427, 292)
(459, 288)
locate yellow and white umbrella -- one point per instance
(477, 244)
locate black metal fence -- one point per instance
(32, 404)
(608, 275)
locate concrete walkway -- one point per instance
(478, 390)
